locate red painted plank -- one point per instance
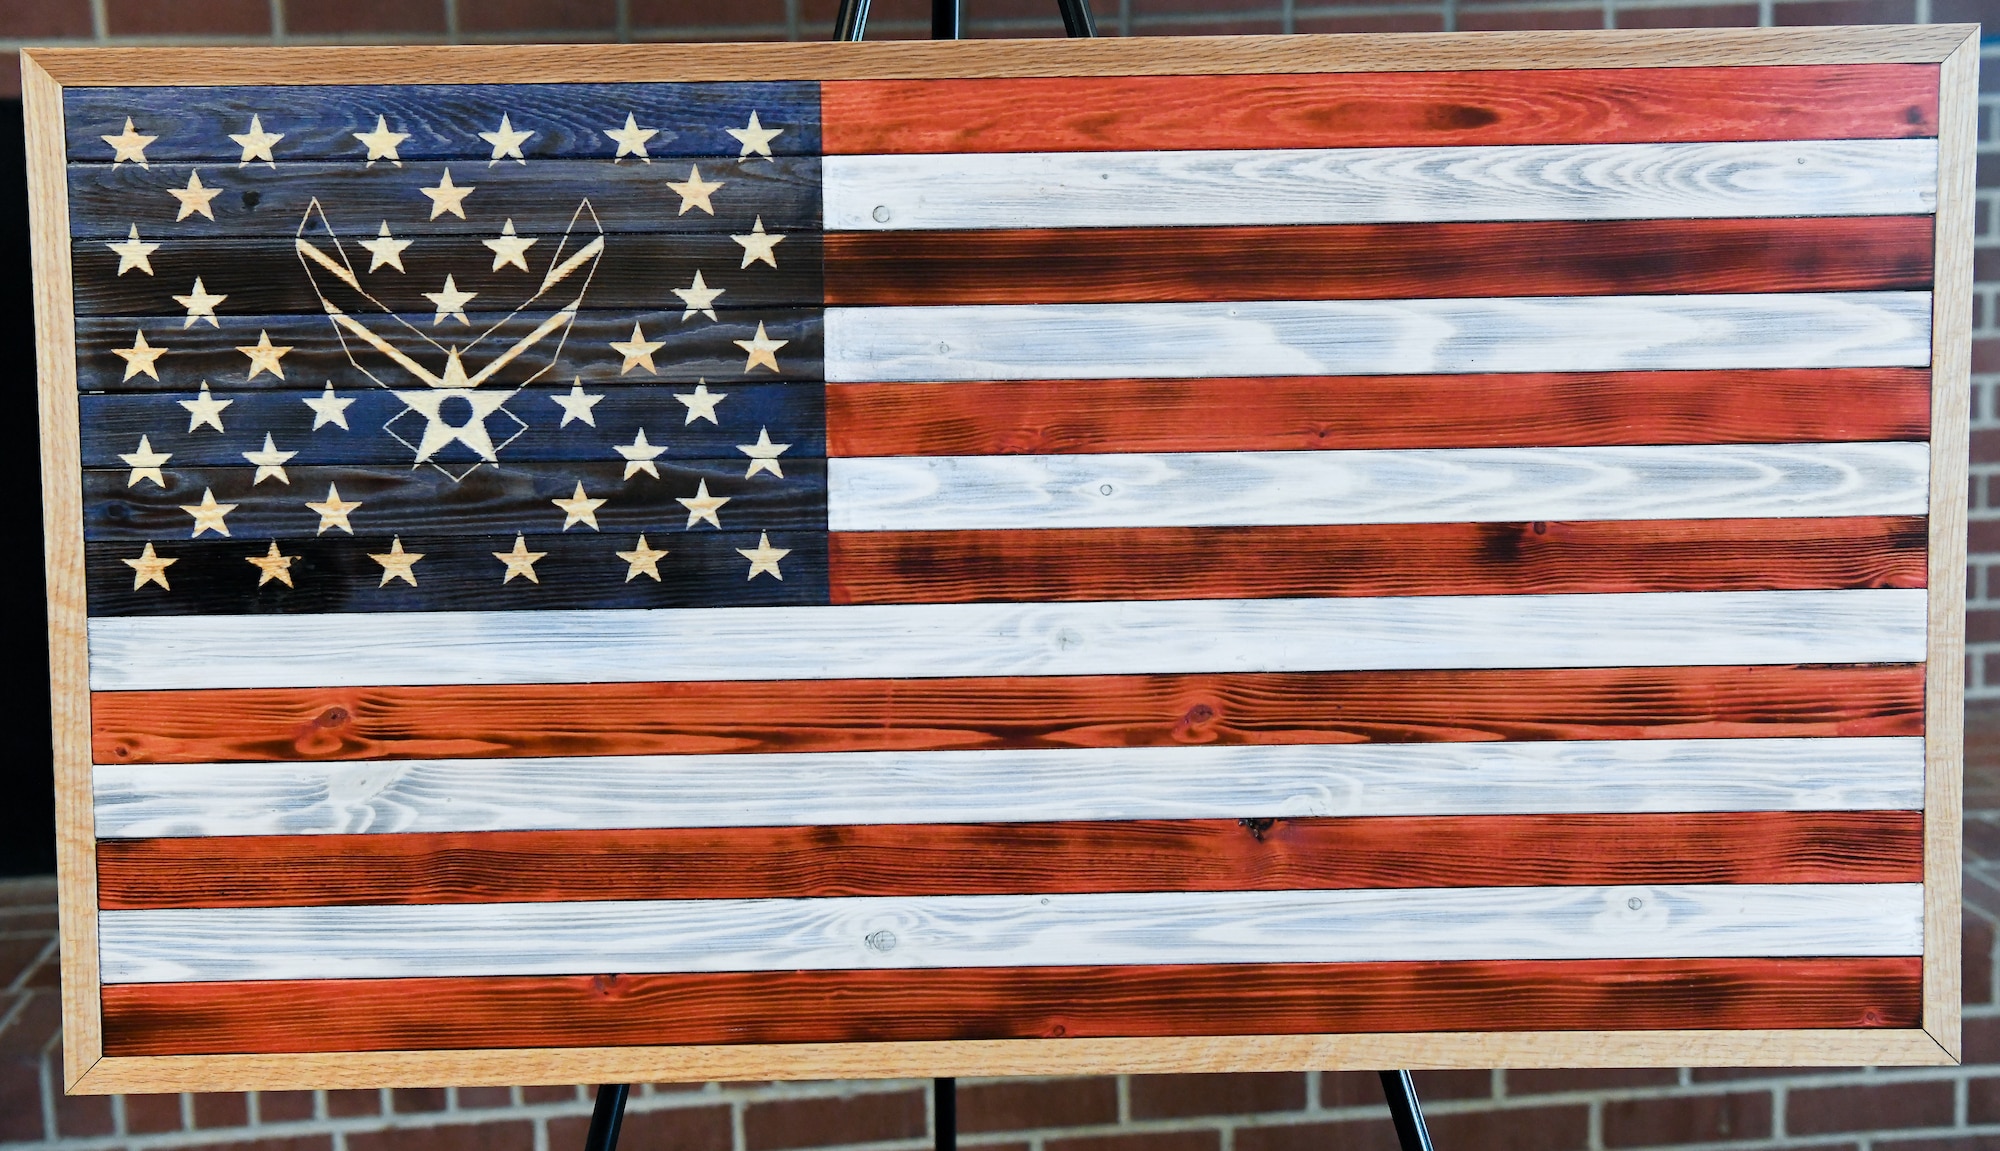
(1378, 560)
(1378, 261)
(1032, 711)
(1007, 1003)
(1380, 109)
(1047, 417)
(1007, 858)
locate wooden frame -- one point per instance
(46, 72)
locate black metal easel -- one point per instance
(1401, 1093)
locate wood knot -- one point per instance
(1256, 827)
(332, 717)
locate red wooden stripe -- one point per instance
(1007, 1003)
(1378, 261)
(1001, 859)
(1377, 560)
(1309, 412)
(1380, 109)
(1030, 711)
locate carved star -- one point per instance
(208, 514)
(256, 143)
(264, 356)
(205, 409)
(509, 248)
(438, 433)
(761, 349)
(702, 506)
(579, 509)
(506, 143)
(194, 198)
(577, 405)
(641, 560)
(129, 144)
(449, 301)
(638, 351)
(701, 403)
(448, 197)
(397, 563)
(134, 253)
(631, 139)
(200, 305)
(140, 356)
(698, 297)
(759, 246)
(270, 462)
(333, 511)
(145, 463)
(273, 565)
(151, 567)
(764, 557)
(381, 144)
(763, 455)
(385, 249)
(695, 192)
(755, 138)
(328, 408)
(520, 561)
(639, 456)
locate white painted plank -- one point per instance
(1651, 629)
(1441, 485)
(1377, 337)
(558, 794)
(1381, 185)
(1668, 921)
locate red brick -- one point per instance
(316, 18)
(416, 1100)
(1522, 1129)
(1020, 1104)
(514, 1136)
(1985, 12)
(19, 953)
(1144, 1141)
(1868, 1107)
(81, 1115)
(188, 17)
(295, 1143)
(1364, 1088)
(474, 1097)
(145, 1114)
(565, 16)
(1976, 960)
(1987, 167)
(221, 1110)
(670, 1088)
(1953, 1143)
(680, 1128)
(696, 13)
(1981, 1037)
(1845, 12)
(44, 19)
(21, 1099)
(341, 1104)
(284, 1106)
(1357, 1135)
(35, 1026)
(549, 1094)
(1169, 26)
(31, 891)
(1553, 1081)
(865, 1118)
(1983, 625)
(1518, 19)
(1725, 1074)
(1705, 16)
(1687, 1119)
(1179, 1096)
(1376, 22)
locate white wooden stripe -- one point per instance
(1624, 776)
(1668, 921)
(1377, 337)
(1381, 185)
(1882, 625)
(1443, 485)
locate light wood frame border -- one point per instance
(45, 72)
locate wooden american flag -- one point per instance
(1198, 554)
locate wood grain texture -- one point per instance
(266, 725)
(1380, 109)
(1065, 1004)
(1277, 413)
(1371, 486)
(451, 796)
(1656, 629)
(1379, 185)
(1362, 337)
(1321, 262)
(1423, 559)
(840, 933)
(975, 859)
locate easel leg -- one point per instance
(944, 1113)
(607, 1118)
(1405, 1111)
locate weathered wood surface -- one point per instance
(1493, 778)
(1335, 110)
(1356, 261)
(1374, 486)
(1884, 625)
(1656, 921)
(261, 725)
(1380, 185)
(1041, 417)
(1397, 559)
(443, 121)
